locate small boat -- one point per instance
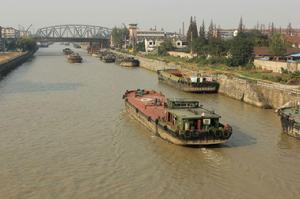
(179, 121)
(187, 81)
(290, 120)
(43, 44)
(74, 58)
(109, 58)
(129, 62)
(67, 51)
(76, 45)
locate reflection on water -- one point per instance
(27, 86)
(64, 134)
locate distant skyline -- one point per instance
(168, 15)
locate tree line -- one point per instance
(23, 44)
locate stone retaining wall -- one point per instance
(276, 66)
(9, 65)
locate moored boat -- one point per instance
(187, 81)
(67, 51)
(290, 120)
(129, 62)
(109, 58)
(74, 58)
(75, 45)
(179, 121)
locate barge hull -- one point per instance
(158, 129)
(205, 88)
(289, 126)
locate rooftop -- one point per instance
(193, 113)
(265, 51)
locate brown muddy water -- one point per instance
(64, 135)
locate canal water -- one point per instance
(64, 135)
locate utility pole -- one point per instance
(192, 42)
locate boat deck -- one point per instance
(146, 103)
(292, 112)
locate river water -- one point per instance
(64, 135)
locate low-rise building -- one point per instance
(180, 43)
(1, 42)
(294, 41)
(152, 44)
(228, 33)
(9, 33)
(152, 37)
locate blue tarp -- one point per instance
(295, 55)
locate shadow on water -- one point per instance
(28, 87)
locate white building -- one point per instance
(152, 44)
(9, 33)
(150, 34)
(180, 44)
(228, 33)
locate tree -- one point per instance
(202, 36)
(119, 36)
(257, 38)
(10, 45)
(241, 50)
(278, 45)
(26, 44)
(192, 32)
(272, 31)
(210, 32)
(241, 25)
(289, 29)
(141, 46)
(165, 47)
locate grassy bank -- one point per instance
(8, 55)
(243, 72)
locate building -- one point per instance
(133, 34)
(23, 33)
(152, 37)
(152, 44)
(1, 42)
(9, 33)
(150, 34)
(180, 43)
(294, 41)
(264, 52)
(227, 33)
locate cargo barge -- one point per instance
(290, 120)
(67, 51)
(74, 58)
(129, 62)
(187, 81)
(179, 121)
(109, 58)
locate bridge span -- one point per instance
(73, 33)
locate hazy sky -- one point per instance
(165, 14)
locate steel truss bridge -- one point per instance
(73, 33)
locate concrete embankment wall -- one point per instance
(260, 94)
(151, 64)
(264, 95)
(9, 65)
(276, 66)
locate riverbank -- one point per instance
(263, 94)
(11, 60)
